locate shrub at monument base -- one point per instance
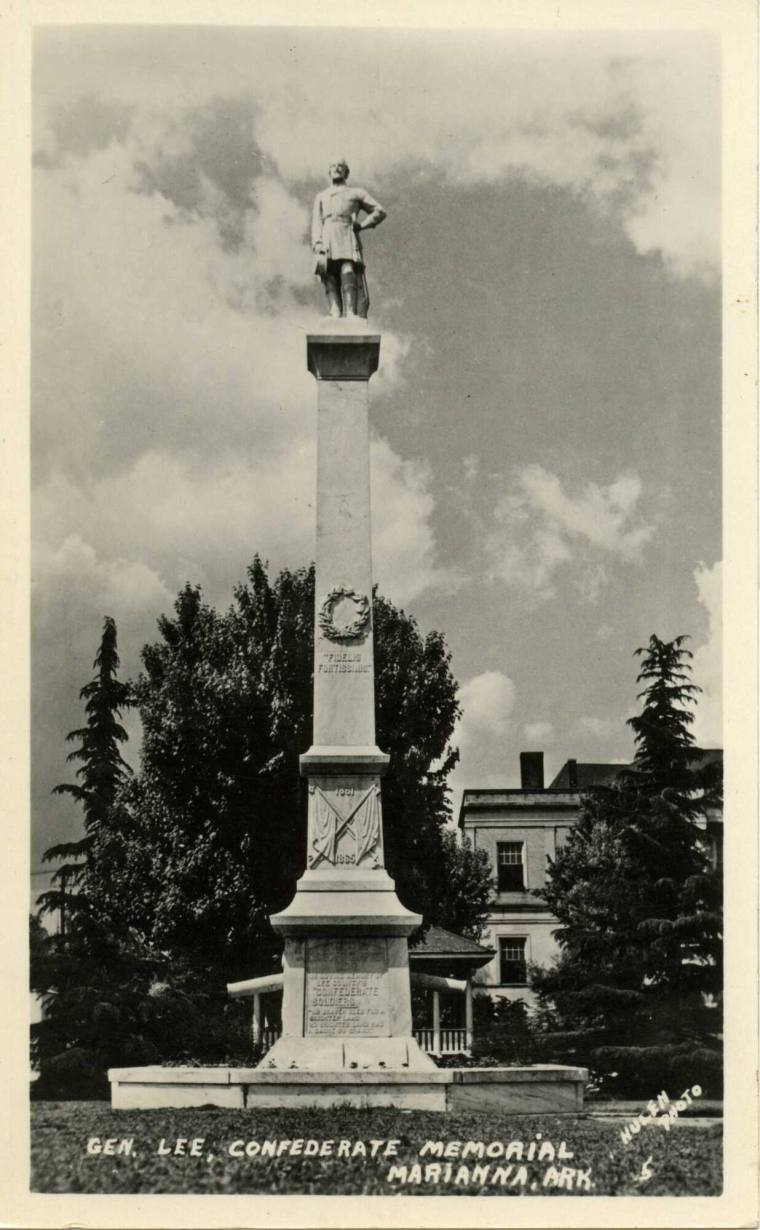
(683, 1161)
(677, 1066)
(128, 1011)
(505, 1032)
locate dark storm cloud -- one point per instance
(218, 145)
(83, 124)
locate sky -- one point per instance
(546, 417)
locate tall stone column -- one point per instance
(346, 998)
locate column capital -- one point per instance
(342, 356)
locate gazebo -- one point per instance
(442, 962)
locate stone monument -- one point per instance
(345, 982)
(346, 999)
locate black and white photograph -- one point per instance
(380, 498)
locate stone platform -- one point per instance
(541, 1089)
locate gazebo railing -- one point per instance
(452, 1041)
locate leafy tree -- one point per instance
(208, 839)
(417, 708)
(462, 885)
(638, 904)
(217, 831)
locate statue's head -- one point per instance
(338, 171)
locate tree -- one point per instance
(70, 970)
(208, 838)
(217, 832)
(102, 769)
(638, 904)
(463, 887)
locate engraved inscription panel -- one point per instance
(346, 990)
(343, 662)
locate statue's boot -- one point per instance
(348, 287)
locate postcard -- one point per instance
(382, 743)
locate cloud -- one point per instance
(150, 335)
(173, 416)
(487, 701)
(707, 663)
(189, 521)
(117, 587)
(540, 528)
(629, 124)
(403, 544)
(630, 133)
(123, 546)
(538, 734)
(173, 424)
(146, 338)
(632, 138)
(471, 466)
(600, 728)
(74, 587)
(591, 581)
(203, 522)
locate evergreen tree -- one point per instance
(77, 972)
(639, 906)
(101, 772)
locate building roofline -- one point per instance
(476, 959)
(554, 798)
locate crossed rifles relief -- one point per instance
(329, 825)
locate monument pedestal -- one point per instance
(346, 1002)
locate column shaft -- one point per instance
(344, 691)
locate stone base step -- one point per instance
(541, 1089)
(313, 1054)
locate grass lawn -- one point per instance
(686, 1161)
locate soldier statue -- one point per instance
(336, 243)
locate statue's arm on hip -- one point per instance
(373, 209)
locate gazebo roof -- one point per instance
(439, 945)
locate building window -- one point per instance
(512, 968)
(509, 860)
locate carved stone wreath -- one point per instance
(345, 631)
